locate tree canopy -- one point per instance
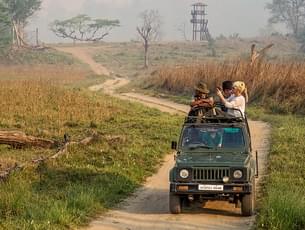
(289, 12)
(83, 28)
(15, 16)
(5, 29)
(21, 10)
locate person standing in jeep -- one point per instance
(227, 88)
(201, 99)
(236, 101)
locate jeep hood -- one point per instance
(212, 159)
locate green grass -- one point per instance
(71, 190)
(48, 100)
(283, 205)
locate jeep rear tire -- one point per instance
(248, 202)
(174, 204)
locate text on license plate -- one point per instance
(206, 187)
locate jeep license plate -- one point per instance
(206, 187)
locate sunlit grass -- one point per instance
(283, 205)
(69, 191)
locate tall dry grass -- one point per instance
(278, 86)
(39, 105)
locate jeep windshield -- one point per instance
(198, 138)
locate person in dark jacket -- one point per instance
(201, 102)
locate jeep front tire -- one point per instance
(174, 204)
(248, 202)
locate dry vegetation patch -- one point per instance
(62, 74)
(278, 85)
(42, 109)
(33, 100)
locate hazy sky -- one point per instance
(245, 17)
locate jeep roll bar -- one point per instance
(215, 115)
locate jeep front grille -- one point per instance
(210, 174)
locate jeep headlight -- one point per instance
(238, 174)
(184, 173)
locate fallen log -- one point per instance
(19, 139)
(86, 141)
(33, 141)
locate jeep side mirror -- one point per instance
(174, 145)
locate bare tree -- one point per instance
(290, 12)
(149, 30)
(83, 28)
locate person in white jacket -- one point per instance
(236, 101)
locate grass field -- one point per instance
(48, 100)
(70, 190)
(56, 68)
(127, 58)
(43, 101)
(283, 206)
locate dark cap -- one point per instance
(227, 85)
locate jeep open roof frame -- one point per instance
(216, 116)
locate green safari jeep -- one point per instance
(214, 161)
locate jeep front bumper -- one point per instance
(193, 188)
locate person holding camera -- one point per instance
(236, 100)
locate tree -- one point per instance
(84, 28)
(18, 13)
(5, 30)
(149, 30)
(290, 12)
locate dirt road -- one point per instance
(84, 55)
(148, 208)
